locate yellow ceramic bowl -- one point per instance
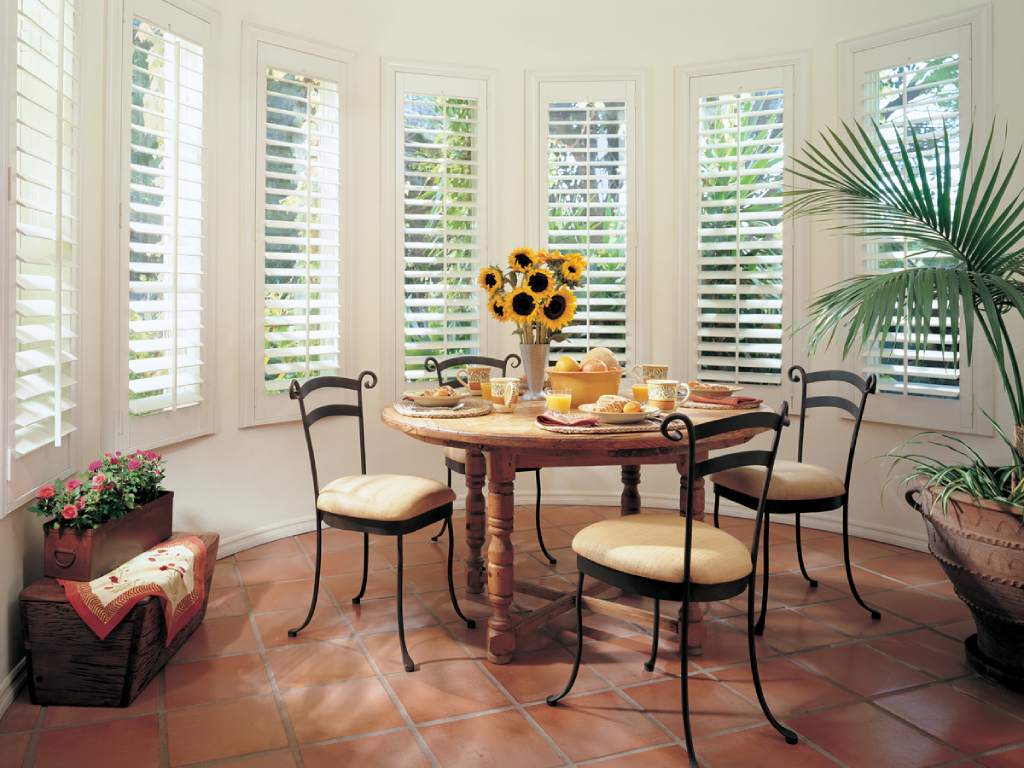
(586, 387)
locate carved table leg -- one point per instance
(696, 618)
(501, 475)
(475, 469)
(630, 499)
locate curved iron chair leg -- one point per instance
(649, 664)
(717, 497)
(759, 627)
(406, 658)
(849, 570)
(316, 578)
(451, 585)
(447, 521)
(553, 700)
(540, 536)
(800, 556)
(789, 735)
(366, 568)
(684, 676)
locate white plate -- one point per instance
(705, 391)
(619, 418)
(428, 401)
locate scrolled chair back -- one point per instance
(760, 421)
(300, 391)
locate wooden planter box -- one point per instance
(84, 555)
(68, 664)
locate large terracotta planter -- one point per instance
(980, 545)
(83, 555)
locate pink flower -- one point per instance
(81, 502)
(117, 453)
(70, 512)
(94, 465)
(134, 463)
(98, 480)
(73, 483)
(46, 492)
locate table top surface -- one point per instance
(519, 430)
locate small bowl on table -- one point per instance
(646, 411)
(424, 400)
(711, 391)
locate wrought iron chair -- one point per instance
(455, 458)
(799, 487)
(653, 555)
(388, 505)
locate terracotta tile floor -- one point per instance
(241, 693)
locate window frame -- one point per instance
(393, 253)
(23, 475)
(256, 406)
(977, 389)
(201, 25)
(595, 85)
(796, 287)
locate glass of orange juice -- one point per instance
(640, 392)
(558, 400)
(485, 389)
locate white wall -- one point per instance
(240, 481)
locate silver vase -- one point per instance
(535, 361)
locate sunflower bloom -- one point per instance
(490, 279)
(558, 310)
(522, 259)
(572, 267)
(497, 306)
(540, 282)
(521, 305)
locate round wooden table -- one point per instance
(495, 445)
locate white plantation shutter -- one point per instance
(441, 172)
(741, 124)
(920, 97)
(298, 223)
(44, 238)
(587, 131)
(164, 223)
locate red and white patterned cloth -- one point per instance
(173, 571)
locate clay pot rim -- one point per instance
(960, 497)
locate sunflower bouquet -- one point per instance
(535, 292)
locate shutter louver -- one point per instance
(46, 223)
(441, 227)
(587, 192)
(740, 251)
(301, 228)
(165, 220)
(922, 98)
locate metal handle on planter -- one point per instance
(58, 553)
(912, 499)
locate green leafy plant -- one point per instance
(964, 270)
(113, 487)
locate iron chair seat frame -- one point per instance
(366, 526)
(796, 507)
(687, 591)
(433, 365)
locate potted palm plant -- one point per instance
(964, 274)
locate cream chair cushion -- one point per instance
(652, 546)
(455, 454)
(390, 498)
(791, 481)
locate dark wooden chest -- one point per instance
(68, 664)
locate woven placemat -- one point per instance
(717, 407)
(470, 407)
(603, 429)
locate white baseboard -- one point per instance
(239, 542)
(11, 685)
(821, 521)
